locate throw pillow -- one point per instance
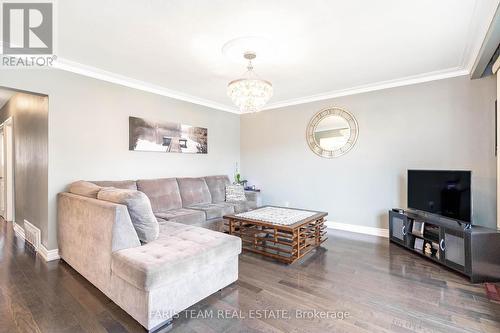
(139, 208)
(86, 189)
(235, 193)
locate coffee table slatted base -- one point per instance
(279, 242)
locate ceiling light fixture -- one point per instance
(250, 93)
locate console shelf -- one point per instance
(473, 251)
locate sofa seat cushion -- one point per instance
(179, 252)
(216, 210)
(182, 215)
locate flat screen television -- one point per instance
(445, 193)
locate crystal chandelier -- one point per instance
(250, 93)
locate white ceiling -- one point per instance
(322, 48)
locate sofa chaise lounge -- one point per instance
(156, 280)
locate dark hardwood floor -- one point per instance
(377, 287)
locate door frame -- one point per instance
(8, 151)
(496, 71)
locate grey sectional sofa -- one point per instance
(154, 281)
(193, 201)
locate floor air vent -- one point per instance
(32, 235)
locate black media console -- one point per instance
(473, 251)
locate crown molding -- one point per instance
(471, 50)
(104, 75)
(474, 40)
(409, 80)
(100, 74)
(470, 54)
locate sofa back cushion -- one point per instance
(217, 187)
(123, 184)
(86, 189)
(139, 209)
(163, 193)
(194, 191)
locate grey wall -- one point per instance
(446, 124)
(88, 133)
(30, 131)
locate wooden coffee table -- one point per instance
(284, 242)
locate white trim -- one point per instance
(361, 229)
(100, 74)
(406, 81)
(18, 230)
(48, 255)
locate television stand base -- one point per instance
(473, 251)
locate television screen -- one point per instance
(446, 193)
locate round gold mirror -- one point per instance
(332, 132)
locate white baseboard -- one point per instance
(18, 230)
(47, 255)
(361, 229)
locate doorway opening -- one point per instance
(7, 171)
(24, 164)
(7, 208)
